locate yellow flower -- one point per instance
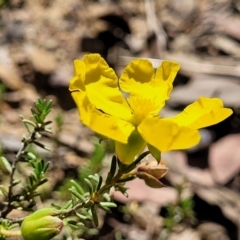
(127, 110)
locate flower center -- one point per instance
(141, 108)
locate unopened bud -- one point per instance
(41, 225)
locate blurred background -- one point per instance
(38, 42)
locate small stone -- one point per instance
(224, 158)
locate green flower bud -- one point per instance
(41, 225)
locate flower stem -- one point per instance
(108, 186)
(9, 233)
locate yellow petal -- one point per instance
(79, 68)
(166, 74)
(139, 79)
(136, 77)
(128, 152)
(163, 80)
(83, 104)
(102, 87)
(104, 124)
(202, 113)
(77, 82)
(166, 135)
(96, 69)
(109, 101)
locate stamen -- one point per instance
(141, 108)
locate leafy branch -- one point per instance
(83, 204)
(36, 126)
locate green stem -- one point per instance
(108, 186)
(128, 170)
(9, 233)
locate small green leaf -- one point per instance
(42, 181)
(94, 216)
(67, 205)
(34, 178)
(80, 224)
(126, 179)
(89, 185)
(16, 182)
(108, 204)
(109, 177)
(76, 194)
(108, 210)
(5, 166)
(48, 104)
(31, 156)
(47, 123)
(122, 189)
(74, 199)
(77, 186)
(155, 152)
(26, 121)
(86, 194)
(57, 206)
(39, 166)
(46, 166)
(107, 197)
(42, 145)
(113, 165)
(134, 164)
(99, 183)
(3, 191)
(94, 177)
(112, 171)
(83, 217)
(71, 221)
